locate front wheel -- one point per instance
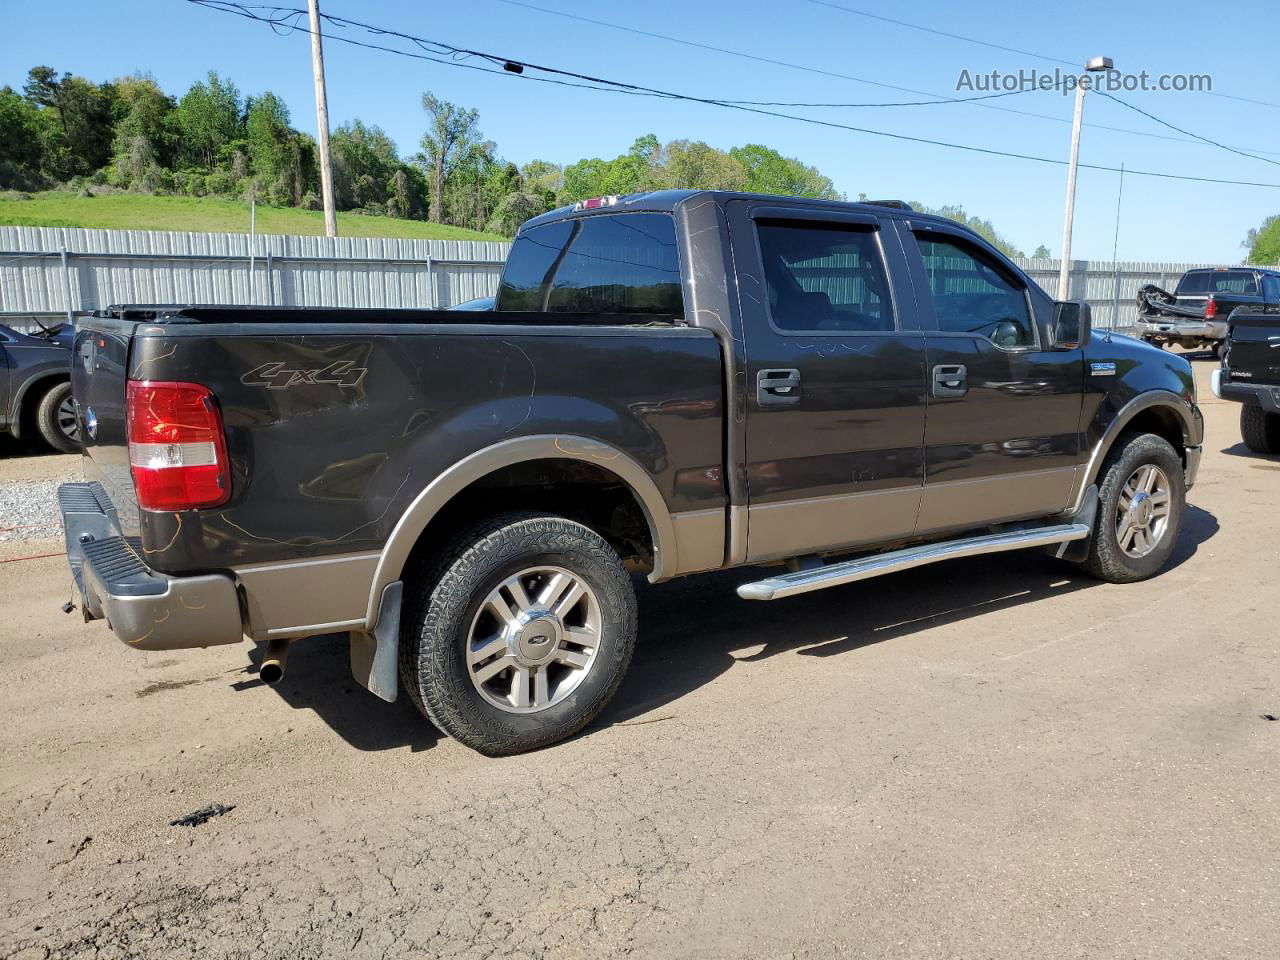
(1141, 499)
(56, 419)
(520, 633)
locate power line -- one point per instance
(941, 33)
(807, 68)
(282, 17)
(985, 43)
(1152, 116)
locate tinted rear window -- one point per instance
(615, 264)
(1218, 281)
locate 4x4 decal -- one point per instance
(280, 376)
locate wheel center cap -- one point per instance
(1141, 510)
(537, 641)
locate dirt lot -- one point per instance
(991, 758)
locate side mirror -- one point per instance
(1072, 322)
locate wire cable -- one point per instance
(281, 14)
(1166, 123)
(985, 43)
(940, 98)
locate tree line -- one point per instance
(128, 134)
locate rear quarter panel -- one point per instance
(325, 459)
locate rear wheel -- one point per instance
(1141, 499)
(1261, 430)
(520, 634)
(56, 419)
(1220, 349)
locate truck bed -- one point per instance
(336, 419)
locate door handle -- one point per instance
(950, 380)
(776, 388)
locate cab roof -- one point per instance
(668, 201)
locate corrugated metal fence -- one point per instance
(50, 270)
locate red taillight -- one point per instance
(177, 451)
(1210, 308)
(595, 203)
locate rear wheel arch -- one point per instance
(455, 484)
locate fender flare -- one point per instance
(437, 494)
(1124, 416)
(46, 379)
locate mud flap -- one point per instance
(1077, 551)
(375, 658)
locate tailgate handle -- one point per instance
(776, 388)
(950, 380)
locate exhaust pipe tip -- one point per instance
(274, 660)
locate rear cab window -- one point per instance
(824, 277)
(612, 264)
(1234, 281)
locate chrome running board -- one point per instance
(863, 568)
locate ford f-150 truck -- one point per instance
(1250, 375)
(1197, 313)
(671, 383)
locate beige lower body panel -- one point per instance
(799, 527)
(962, 504)
(305, 597)
(699, 540)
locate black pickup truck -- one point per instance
(1197, 313)
(670, 383)
(1250, 375)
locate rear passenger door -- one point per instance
(1002, 441)
(834, 380)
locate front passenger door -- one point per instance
(1002, 427)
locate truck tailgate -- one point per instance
(99, 369)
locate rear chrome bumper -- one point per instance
(1173, 329)
(144, 608)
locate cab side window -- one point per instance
(824, 277)
(972, 293)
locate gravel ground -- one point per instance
(29, 509)
(994, 758)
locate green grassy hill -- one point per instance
(128, 211)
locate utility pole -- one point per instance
(1095, 65)
(322, 122)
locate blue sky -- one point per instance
(1160, 219)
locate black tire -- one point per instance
(1260, 429)
(449, 595)
(51, 419)
(1220, 349)
(1107, 560)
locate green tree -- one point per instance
(365, 164)
(452, 134)
(1042, 253)
(208, 118)
(694, 165)
(770, 172)
(76, 122)
(632, 172)
(274, 157)
(984, 228)
(1263, 243)
(142, 109)
(20, 151)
